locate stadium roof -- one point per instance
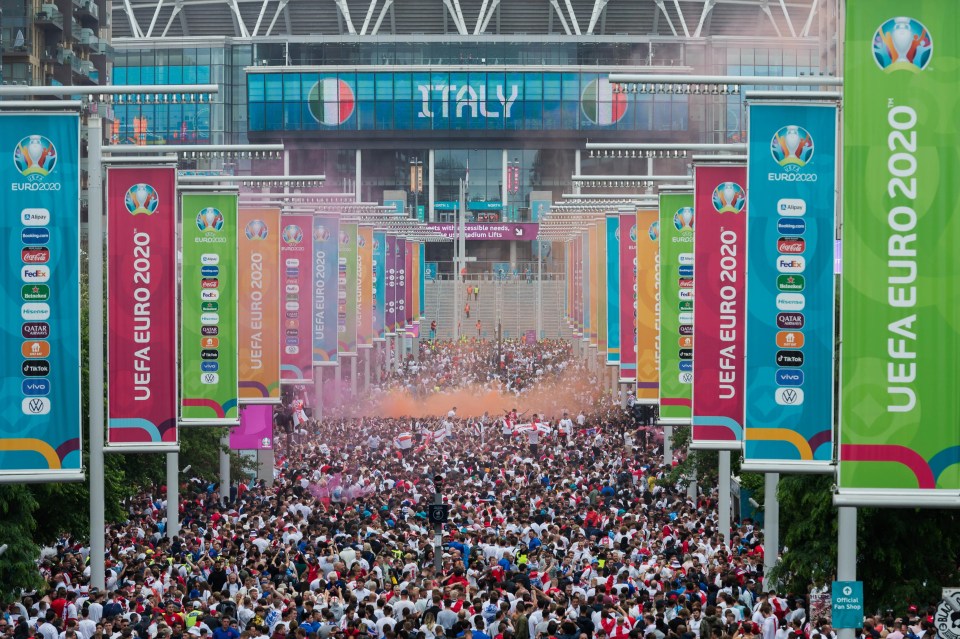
(356, 20)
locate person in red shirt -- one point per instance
(171, 616)
(59, 602)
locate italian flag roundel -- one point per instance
(331, 101)
(601, 105)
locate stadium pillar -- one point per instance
(576, 170)
(225, 466)
(504, 184)
(353, 375)
(846, 554)
(623, 395)
(367, 354)
(358, 177)
(266, 460)
(318, 388)
(667, 445)
(173, 495)
(724, 497)
(771, 523)
(432, 192)
(338, 382)
(398, 351)
(386, 357)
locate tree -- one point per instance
(18, 565)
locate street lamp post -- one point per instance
(416, 184)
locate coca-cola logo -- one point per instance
(791, 245)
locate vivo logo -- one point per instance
(789, 377)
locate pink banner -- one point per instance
(255, 431)
(142, 314)
(628, 297)
(719, 287)
(296, 278)
(408, 272)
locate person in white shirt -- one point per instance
(86, 627)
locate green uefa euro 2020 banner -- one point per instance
(899, 413)
(209, 327)
(676, 307)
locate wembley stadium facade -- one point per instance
(398, 100)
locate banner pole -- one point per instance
(846, 554)
(771, 523)
(95, 323)
(225, 467)
(173, 495)
(318, 387)
(367, 353)
(668, 445)
(724, 484)
(353, 375)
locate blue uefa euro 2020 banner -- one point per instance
(790, 291)
(326, 235)
(380, 284)
(40, 335)
(613, 288)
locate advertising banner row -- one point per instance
(660, 285)
(264, 296)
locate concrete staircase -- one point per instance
(514, 302)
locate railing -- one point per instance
(491, 277)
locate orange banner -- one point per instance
(259, 305)
(648, 305)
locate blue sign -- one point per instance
(613, 289)
(790, 291)
(847, 604)
(40, 341)
(398, 205)
(485, 206)
(430, 271)
(443, 101)
(539, 208)
(502, 270)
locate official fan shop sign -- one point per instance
(898, 410)
(209, 334)
(142, 311)
(792, 167)
(677, 222)
(719, 313)
(847, 604)
(40, 434)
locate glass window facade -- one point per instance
(174, 122)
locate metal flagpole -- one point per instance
(173, 495)
(95, 323)
(225, 466)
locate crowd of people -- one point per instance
(511, 365)
(563, 523)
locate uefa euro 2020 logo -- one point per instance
(141, 199)
(35, 155)
(902, 44)
(292, 234)
(633, 233)
(654, 231)
(209, 220)
(683, 219)
(792, 147)
(344, 238)
(320, 233)
(256, 230)
(729, 197)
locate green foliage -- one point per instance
(18, 568)
(808, 528)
